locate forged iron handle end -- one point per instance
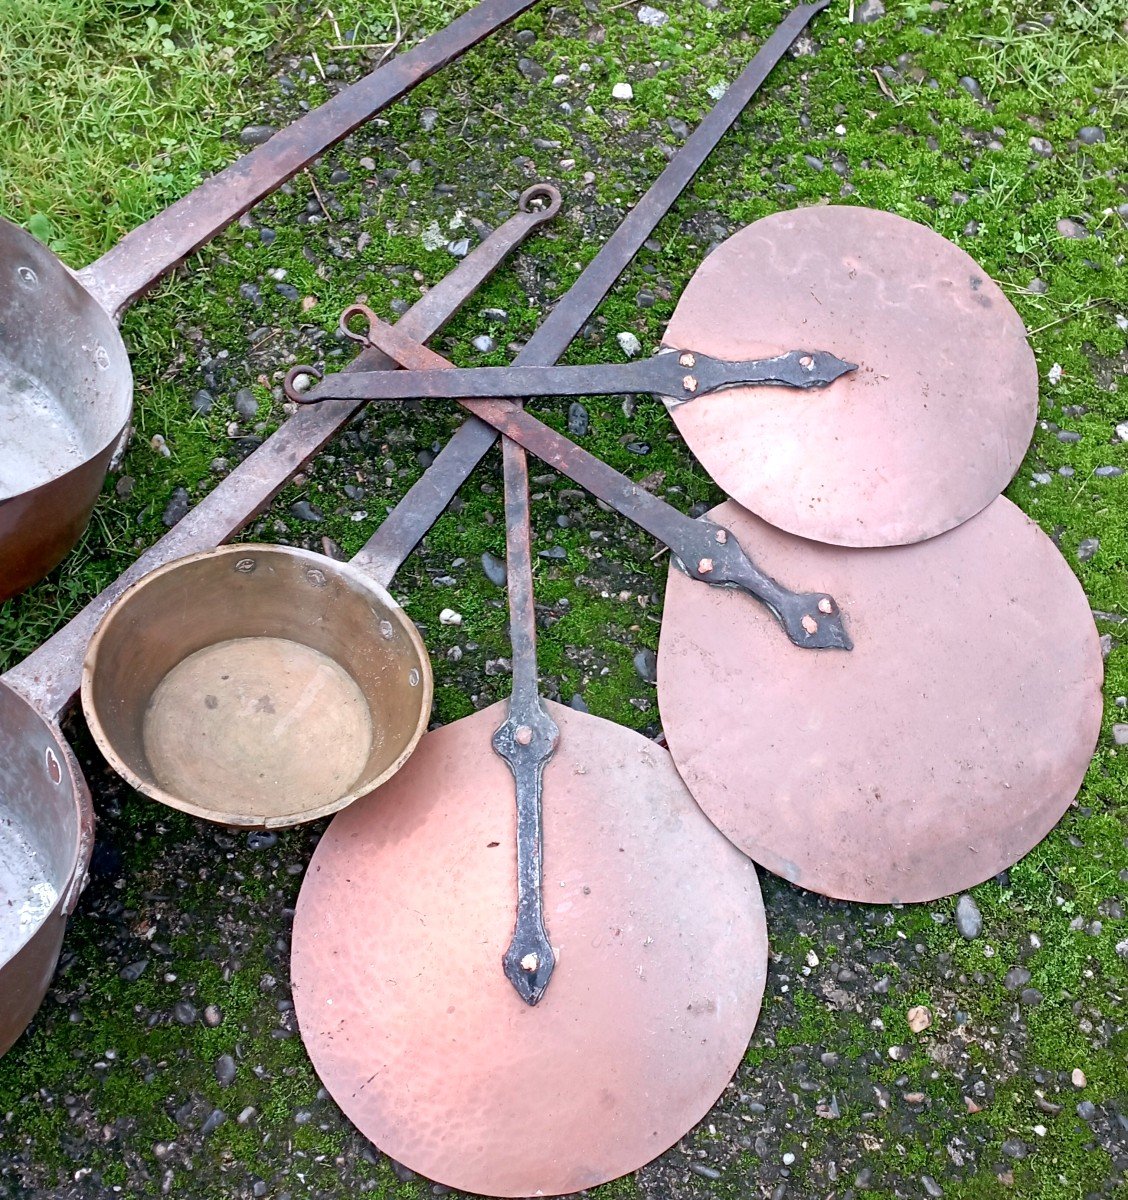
(527, 740)
(302, 395)
(529, 963)
(811, 620)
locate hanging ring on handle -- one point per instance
(290, 383)
(347, 315)
(541, 191)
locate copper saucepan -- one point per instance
(257, 685)
(66, 390)
(46, 818)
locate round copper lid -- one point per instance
(934, 754)
(408, 907)
(928, 430)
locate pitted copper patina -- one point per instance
(925, 433)
(407, 910)
(945, 746)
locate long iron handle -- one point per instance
(151, 250)
(425, 501)
(50, 676)
(707, 551)
(679, 375)
(526, 740)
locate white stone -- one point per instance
(449, 617)
(652, 16)
(629, 344)
(622, 91)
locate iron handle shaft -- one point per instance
(526, 740)
(706, 550)
(430, 495)
(679, 375)
(146, 253)
(50, 676)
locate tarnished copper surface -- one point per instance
(940, 750)
(407, 909)
(256, 685)
(58, 336)
(45, 805)
(41, 787)
(923, 435)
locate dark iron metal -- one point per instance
(425, 501)
(58, 331)
(707, 551)
(680, 376)
(42, 787)
(527, 740)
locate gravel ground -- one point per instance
(970, 1048)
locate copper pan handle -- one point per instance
(151, 250)
(50, 676)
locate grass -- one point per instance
(110, 109)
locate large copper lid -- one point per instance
(926, 432)
(408, 907)
(936, 753)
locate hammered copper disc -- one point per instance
(926, 432)
(408, 907)
(934, 754)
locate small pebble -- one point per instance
(704, 1171)
(185, 1012)
(1087, 549)
(177, 507)
(212, 1015)
(971, 86)
(646, 664)
(484, 344)
(969, 920)
(629, 344)
(931, 1186)
(202, 402)
(654, 17)
(245, 404)
(1077, 1078)
(622, 91)
(225, 1070)
(1090, 135)
(304, 511)
(494, 569)
(919, 1018)
(578, 419)
(449, 617)
(1071, 229)
(214, 1121)
(1120, 737)
(255, 135)
(868, 11)
(135, 970)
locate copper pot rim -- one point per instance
(223, 816)
(61, 758)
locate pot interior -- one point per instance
(39, 821)
(257, 685)
(65, 382)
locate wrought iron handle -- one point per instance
(707, 551)
(678, 375)
(527, 741)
